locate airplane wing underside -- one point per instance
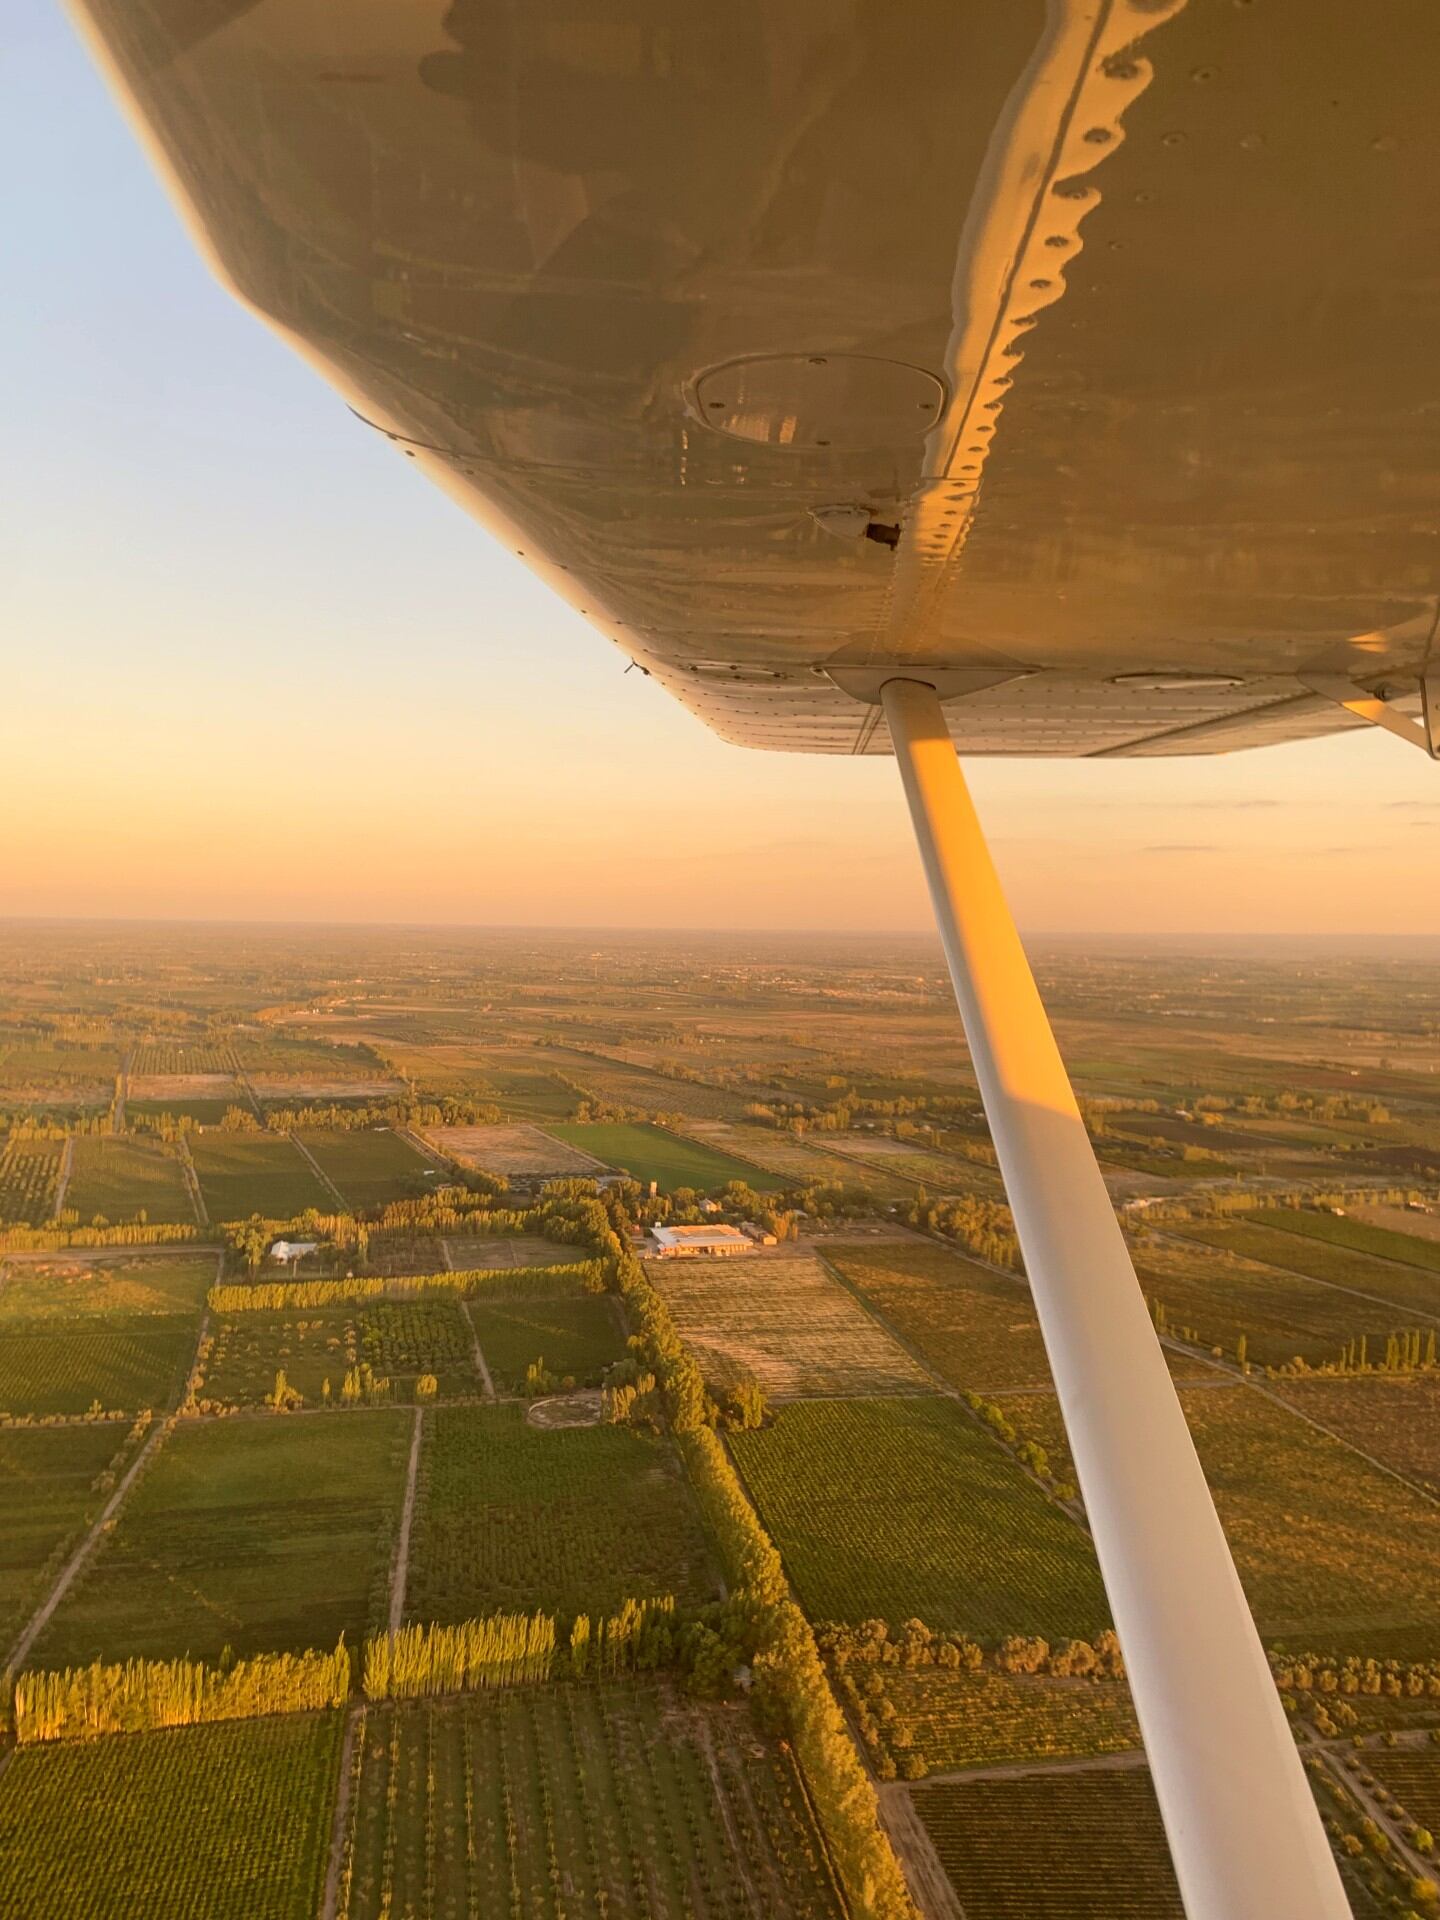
(1081, 357)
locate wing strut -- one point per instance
(1243, 1827)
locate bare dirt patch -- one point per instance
(466, 1252)
(1424, 1226)
(184, 1086)
(785, 1323)
(269, 1086)
(518, 1149)
(582, 1409)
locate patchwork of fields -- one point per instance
(394, 1489)
(245, 1173)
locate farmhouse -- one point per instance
(678, 1242)
(287, 1250)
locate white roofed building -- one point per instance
(678, 1242)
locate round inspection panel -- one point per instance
(818, 400)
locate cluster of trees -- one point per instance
(499, 1650)
(847, 1105)
(1357, 1673)
(279, 1296)
(413, 1112)
(984, 1227)
(872, 1644)
(82, 1701)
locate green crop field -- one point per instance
(1394, 1417)
(953, 1721)
(619, 1799)
(119, 1177)
(48, 1484)
(80, 1287)
(578, 1337)
(571, 1520)
(370, 1165)
(1340, 1230)
(1335, 1556)
(204, 1112)
(29, 1170)
(900, 1509)
(398, 1340)
(224, 1822)
(1059, 1846)
(253, 1534)
(1282, 1315)
(1407, 1289)
(651, 1153)
(264, 1173)
(126, 1365)
(785, 1322)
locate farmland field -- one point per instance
(1406, 1288)
(370, 1165)
(571, 1521)
(1334, 1555)
(1395, 1417)
(126, 1364)
(264, 1173)
(642, 1803)
(1341, 1231)
(181, 1059)
(953, 1721)
(900, 1509)
(71, 1287)
(976, 1328)
(1059, 1846)
(784, 1322)
(46, 1482)
(119, 1177)
(253, 1534)
(204, 1112)
(651, 1153)
(1282, 1315)
(29, 1171)
(222, 1822)
(520, 1150)
(524, 1250)
(577, 1336)
(397, 1339)
(1413, 1778)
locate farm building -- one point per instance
(678, 1242)
(287, 1250)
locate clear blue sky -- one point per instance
(256, 666)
